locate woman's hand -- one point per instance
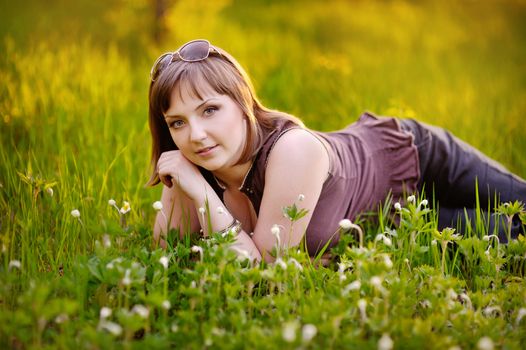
(174, 169)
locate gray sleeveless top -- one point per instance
(368, 160)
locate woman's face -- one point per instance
(210, 132)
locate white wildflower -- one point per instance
(158, 205)
(301, 197)
(105, 312)
(354, 285)
(485, 343)
(385, 342)
(452, 294)
(388, 262)
(197, 249)
(141, 310)
(276, 233)
(126, 280)
(411, 199)
(466, 299)
(279, 262)
(296, 263)
(112, 327)
(289, 331)
(376, 281)
(434, 242)
(426, 304)
(75, 213)
(110, 265)
(193, 284)
(345, 224)
(125, 208)
(342, 266)
(61, 318)
(112, 202)
(520, 314)
(15, 264)
(106, 241)
(49, 191)
(164, 261)
(488, 238)
(220, 210)
(397, 206)
(166, 305)
(424, 203)
(362, 305)
(492, 311)
(308, 332)
(174, 328)
(386, 240)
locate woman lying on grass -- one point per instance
(216, 146)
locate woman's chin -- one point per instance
(210, 166)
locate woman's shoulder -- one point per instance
(298, 144)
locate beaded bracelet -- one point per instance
(235, 227)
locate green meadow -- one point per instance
(78, 272)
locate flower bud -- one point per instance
(157, 205)
(164, 261)
(105, 312)
(345, 224)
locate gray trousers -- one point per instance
(449, 170)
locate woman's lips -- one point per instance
(206, 151)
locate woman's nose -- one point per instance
(197, 132)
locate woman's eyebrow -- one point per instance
(196, 108)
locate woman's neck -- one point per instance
(233, 177)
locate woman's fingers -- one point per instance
(166, 180)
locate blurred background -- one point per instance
(74, 78)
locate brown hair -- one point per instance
(222, 73)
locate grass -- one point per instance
(73, 118)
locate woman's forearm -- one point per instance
(245, 246)
(221, 219)
(207, 209)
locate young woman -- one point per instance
(216, 146)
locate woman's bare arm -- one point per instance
(179, 213)
(298, 164)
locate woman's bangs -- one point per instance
(197, 82)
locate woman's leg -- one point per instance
(451, 168)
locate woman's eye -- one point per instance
(176, 124)
(210, 110)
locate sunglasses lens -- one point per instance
(196, 50)
(161, 63)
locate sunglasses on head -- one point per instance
(192, 51)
